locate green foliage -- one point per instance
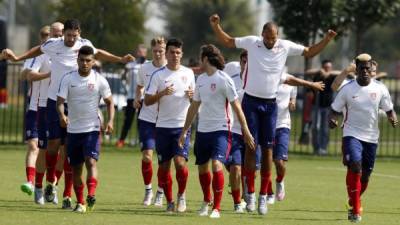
(188, 20)
(114, 25)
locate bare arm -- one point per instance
(317, 48)
(106, 56)
(340, 78)
(247, 137)
(333, 121)
(294, 81)
(31, 53)
(138, 96)
(111, 111)
(392, 117)
(191, 114)
(60, 110)
(34, 76)
(224, 38)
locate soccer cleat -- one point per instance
(120, 144)
(170, 207)
(215, 214)
(243, 204)
(238, 208)
(148, 196)
(91, 201)
(271, 199)
(66, 203)
(251, 202)
(158, 200)
(49, 192)
(181, 207)
(262, 205)
(79, 208)
(355, 218)
(27, 188)
(39, 199)
(203, 211)
(280, 191)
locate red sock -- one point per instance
(51, 161)
(165, 181)
(348, 178)
(30, 174)
(269, 188)
(279, 178)
(218, 188)
(147, 172)
(250, 178)
(68, 179)
(355, 189)
(181, 178)
(236, 196)
(205, 182)
(58, 175)
(39, 179)
(363, 187)
(91, 183)
(79, 193)
(159, 180)
(265, 180)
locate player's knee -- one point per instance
(216, 165)
(355, 167)
(236, 170)
(147, 156)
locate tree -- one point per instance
(188, 20)
(115, 25)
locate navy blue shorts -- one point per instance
(83, 145)
(55, 131)
(147, 135)
(261, 115)
(237, 149)
(167, 144)
(281, 144)
(212, 145)
(42, 127)
(31, 125)
(356, 150)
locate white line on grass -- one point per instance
(374, 174)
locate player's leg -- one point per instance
(235, 172)
(182, 172)
(128, 119)
(368, 162)
(60, 164)
(280, 156)
(41, 159)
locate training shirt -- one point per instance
(285, 93)
(132, 77)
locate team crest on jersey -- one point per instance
(91, 87)
(213, 86)
(373, 96)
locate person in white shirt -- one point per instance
(63, 53)
(83, 89)
(214, 92)
(264, 72)
(147, 119)
(172, 87)
(362, 99)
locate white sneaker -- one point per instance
(251, 202)
(181, 207)
(50, 193)
(215, 214)
(148, 197)
(79, 208)
(262, 205)
(280, 191)
(55, 200)
(27, 188)
(203, 211)
(158, 200)
(238, 208)
(39, 199)
(271, 199)
(243, 204)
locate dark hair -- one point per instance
(270, 26)
(243, 54)
(86, 50)
(213, 55)
(174, 42)
(325, 61)
(72, 24)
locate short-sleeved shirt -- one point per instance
(265, 67)
(147, 112)
(233, 70)
(172, 109)
(285, 93)
(215, 92)
(132, 77)
(63, 60)
(361, 104)
(83, 95)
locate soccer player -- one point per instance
(147, 119)
(362, 99)
(172, 87)
(264, 72)
(63, 53)
(83, 89)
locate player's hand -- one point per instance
(292, 105)
(333, 123)
(64, 121)
(393, 119)
(182, 139)
(137, 104)
(331, 34)
(351, 68)
(168, 90)
(9, 54)
(127, 58)
(249, 140)
(109, 127)
(189, 92)
(214, 20)
(318, 86)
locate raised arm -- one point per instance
(317, 48)
(111, 111)
(31, 53)
(340, 78)
(224, 38)
(106, 56)
(294, 81)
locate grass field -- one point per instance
(315, 195)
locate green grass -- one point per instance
(315, 195)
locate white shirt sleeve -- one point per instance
(230, 89)
(104, 87)
(386, 102)
(89, 43)
(47, 47)
(63, 88)
(340, 101)
(152, 87)
(245, 42)
(293, 48)
(293, 93)
(140, 77)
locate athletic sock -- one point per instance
(39, 179)
(79, 193)
(250, 179)
(159, 181)
(236, 196)
(265, 180)
(355, 189)
(269, 188)
(165, 181)
(147, 172)
(30, 174)
(68, 179)
(279, 178)
(181, 177)
(91, 183)
(218, 188)
(205, 182)
(51, 161)
(348, 178)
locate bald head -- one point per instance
(270, 34)
(270, 27)
(56, 29)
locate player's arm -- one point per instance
(333, 118)
(60, 110)
(111, 112)
(292, 100)
(138, 96)
(31, 53)
(392, 117)
(103, 55)
(340, 78)
(152, 99)
(224, 38)
(191, 114)
(31, 75)
(294, 81)
(317, 48)
(247, 137)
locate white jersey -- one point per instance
(63, 60)
(147, 112)
(215, 93)
(285, 93)
(344, 82)
(172, 109)
(83, 95)
(265, 67)
(233, 70)
(362, 105)
(132, 76)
